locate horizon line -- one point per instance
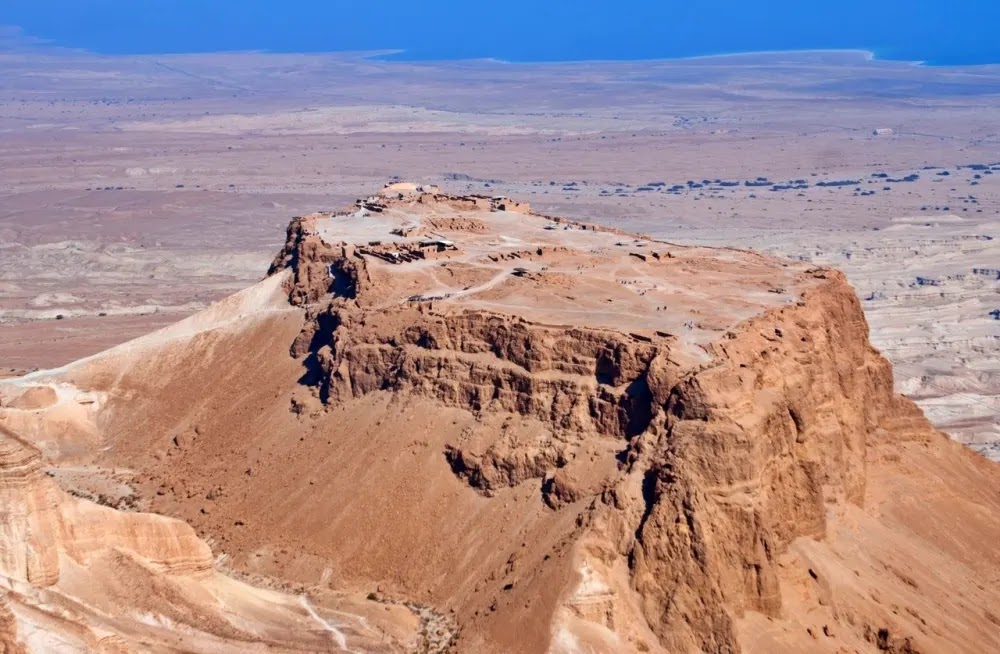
(388, 55)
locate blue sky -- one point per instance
(944, 31)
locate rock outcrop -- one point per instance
(750, 452)
(720, 465)
(9, 642)
(40, 523)
(564, 438)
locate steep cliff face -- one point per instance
(318, 269)
(575, 385)
(713, 466)
(752, 450)
(537, 436)
(738, 456)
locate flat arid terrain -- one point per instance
(591, 357)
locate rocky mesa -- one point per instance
(463, 425)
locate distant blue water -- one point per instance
(938, 32)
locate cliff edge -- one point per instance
(545, 435)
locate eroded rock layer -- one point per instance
(526, 434)
(723, 460)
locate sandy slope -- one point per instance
(81, 577)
